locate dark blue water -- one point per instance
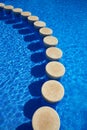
(22, 73)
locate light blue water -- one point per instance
(19, 67)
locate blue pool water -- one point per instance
(22, 73)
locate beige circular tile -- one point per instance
(25, 14)
(52, 91)
(45, 31)
(17, 10)
(50, 41)
(45, 118)
(33, 18)
(2, 5)
(8, 7)
(39, 24)
(55, 69)
(53, 53)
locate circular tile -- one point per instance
(52, 91)
(39, 24)
(2, 5)
(53, 53)
(50, 41)
(55, 69)
(8, 7)
(45, 31)
(25, 14)
(33, 18)
(45, 118)
(17, 10)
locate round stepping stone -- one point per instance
(50, 41)
(2, 5)
(33, 18)
(8, 7)
(55, 69)
(52, 91)
(39, 24)
(45, 31)
(25, 14)
(17, 10)
(53, 53)
(45, 118)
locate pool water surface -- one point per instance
(22, 63)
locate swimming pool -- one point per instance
(19, 67)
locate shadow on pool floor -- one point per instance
(38, 71)
(35, 87)
(25, 126)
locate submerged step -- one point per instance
(55, 69)
(46, 31)
(39, 24)
(26, 14)
(8, 7)
(53, 53)
(45, 118)
(52, 91)
(50, 41)
(2, 5)
(33, 18)
(17, 10)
